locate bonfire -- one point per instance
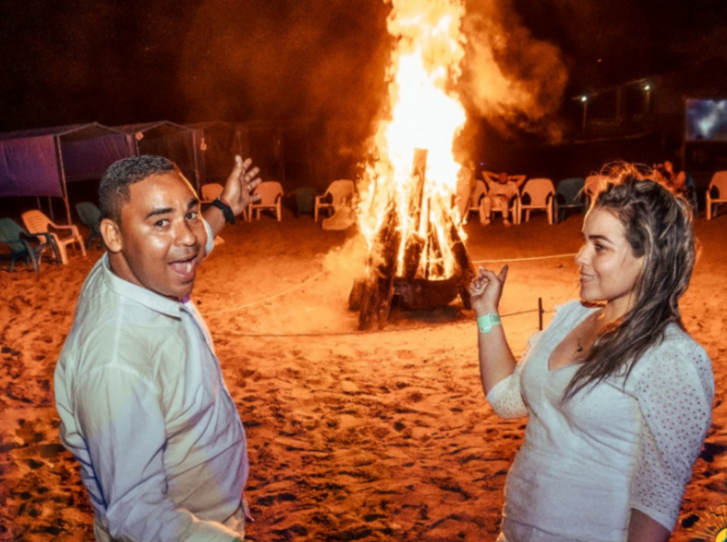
(407, 210)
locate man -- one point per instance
(138, 387)
(501, 190)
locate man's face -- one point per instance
(502, 178)
(161, 236)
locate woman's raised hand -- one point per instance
(486, 290)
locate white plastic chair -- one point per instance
(38, 223)
(271, 197)
(718, 186)
(341, 194)
(540, 194)
(211, 191)
(477, 194)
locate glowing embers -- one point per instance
(424, 265)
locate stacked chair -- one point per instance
(339, 193)
(38, 223)
(339, 198)
(23, 244)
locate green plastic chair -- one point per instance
(305, 199)
(90, 215)
(569, 195)
(20, 245)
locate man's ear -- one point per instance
(111, 233)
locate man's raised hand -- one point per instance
(241, 184)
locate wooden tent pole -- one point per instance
(196, 149)
(62, 172)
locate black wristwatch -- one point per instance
(226, 210)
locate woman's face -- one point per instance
(609, 269)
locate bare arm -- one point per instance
(644, 529)
(489, 177)
(496, 359)
(519, 180)
(237, 193)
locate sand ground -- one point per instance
(380, 436)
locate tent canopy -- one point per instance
(39, 162)
(164, 138)
(219, 142)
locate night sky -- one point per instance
(118, 62)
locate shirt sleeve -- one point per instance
(675, 397)
(506, 397)
(210, 244)
(122, 421)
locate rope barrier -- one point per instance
(539, 310)
(314, 277)
(467, 321)
(239, 307)
(528, 259)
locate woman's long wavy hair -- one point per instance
(658, 226)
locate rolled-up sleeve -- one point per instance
(506, 397)
(122, 420)
(675, 398)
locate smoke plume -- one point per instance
(509, 77)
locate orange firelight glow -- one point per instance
(424, 113)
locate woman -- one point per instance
(618, 394)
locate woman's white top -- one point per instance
(618, 445)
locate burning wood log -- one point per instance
(378, 286)
(415, 244)
(419, 280)
(462, 258)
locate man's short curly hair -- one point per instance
(114, 189)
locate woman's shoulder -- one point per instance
(678, 354)
(678, 342)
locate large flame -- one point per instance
(424, 114)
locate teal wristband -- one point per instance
(486, 321)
